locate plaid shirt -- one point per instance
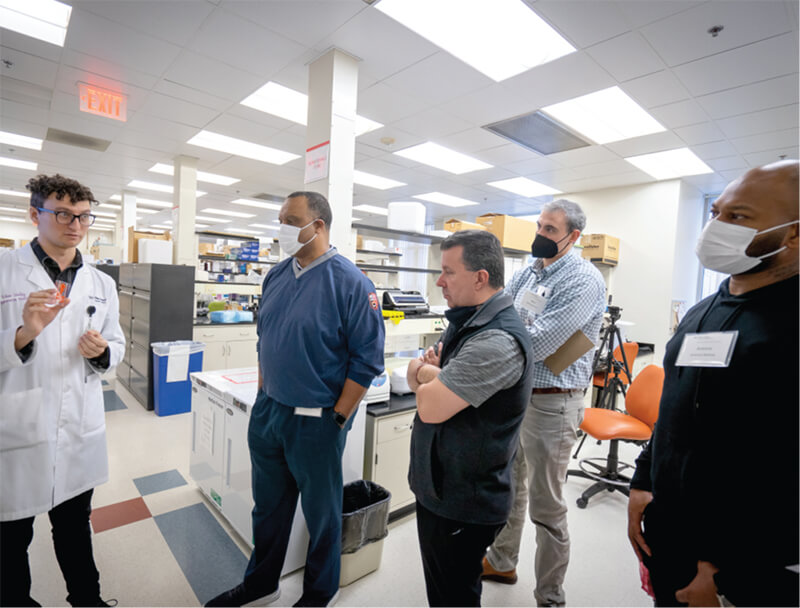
(576, 301)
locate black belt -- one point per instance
(552, 390)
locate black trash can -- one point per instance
(365, 519)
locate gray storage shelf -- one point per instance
(156, 304)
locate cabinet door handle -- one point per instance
(228, 464)
(244, 333)
(404, 427)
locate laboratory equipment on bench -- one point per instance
(409, 302)
(378, 389)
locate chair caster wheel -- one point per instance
(582, 502)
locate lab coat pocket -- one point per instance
(94, 414)
(21, 423)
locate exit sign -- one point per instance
(95, 100)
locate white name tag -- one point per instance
(314, 412)
(535, 301)
(712, 349)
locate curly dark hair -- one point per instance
(42, 186)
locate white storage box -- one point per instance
(152, 251)
(406, 216)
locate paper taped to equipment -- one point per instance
(178, 362)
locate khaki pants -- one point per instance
(549, 432)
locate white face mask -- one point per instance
(722, 247)
(288, 238)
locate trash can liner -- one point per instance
(365, 514)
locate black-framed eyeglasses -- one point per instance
(66, 218)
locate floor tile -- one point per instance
(119, 514)
(158, 482)
(112, 402)
(210, 560)
(175, 498)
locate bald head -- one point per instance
(773, 188)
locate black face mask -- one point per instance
(542, 247)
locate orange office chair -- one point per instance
(641, 403)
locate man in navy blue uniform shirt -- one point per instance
(320, 344)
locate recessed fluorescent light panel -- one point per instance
(202, 176)
(149, 202)
(434, 155)
(12, 219)
(265, 226)
(524, 187)
(216, 220)
(226, 212)
(246, 202)
(445, 199)
(244, 231)
(240, 147)
(14, 193)
(140, 210)
(605, 116)
(20, 141)
(110, 206)
(371, 209)
(287, 103)
(102, 214)
(670, 164)
(137, 183)
(41, 19)
(500, 39)
(18, 164)
(14, 209)
(201, 226)
(375, 181)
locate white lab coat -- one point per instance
(52, 419)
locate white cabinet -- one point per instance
(227, 347)
(387, 454)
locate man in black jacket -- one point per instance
(717, 487)
(471, 398)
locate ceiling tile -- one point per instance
(745, 65)
(758, 122)
(23, 111)
(165, 128)
(384, 168)
(532, 165)
(401, 138)
(610, 167)
(214, 77)
(584, 22)
(505, 153)
(766, 141)
(656, 89)
(426, 77)
(642, 13)
(744, 23)
(101, 67)
(490, 104)
(727, 163)
(173, 89)
(679, 114)
(701, 133)
(709, 182)
(715, 149)
(655, 142)
(471, 140)
(29, 68)
(233, 40)
(758, 159)
(567, 77)
(627, 56)
(175, 22)
(750, 98)
(118, 44)
(610, 181)
(385, 104)
(177, 110)
(583, 156)
(432, 124)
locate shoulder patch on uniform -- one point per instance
(373, 300)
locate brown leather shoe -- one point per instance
(490, 574)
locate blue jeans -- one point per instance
(291, 455)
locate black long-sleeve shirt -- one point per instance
(723, 460)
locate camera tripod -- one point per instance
(613, 370)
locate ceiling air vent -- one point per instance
(538, 132)
(76, 139)
(272, 198)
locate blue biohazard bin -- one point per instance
(174, 395)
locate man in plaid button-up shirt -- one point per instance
(557, 295)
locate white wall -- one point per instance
(17, 231)
(657, 225)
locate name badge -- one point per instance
(535, 301)
(314, 412)
(712, 349)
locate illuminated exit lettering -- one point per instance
(103, 103)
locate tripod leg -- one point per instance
(580, 445)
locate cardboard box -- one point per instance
(513, 232)
(600, 248)
(454, 225)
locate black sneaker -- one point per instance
(239, 596)
(102, 602)
(303, 601)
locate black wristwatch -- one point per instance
(340, 418)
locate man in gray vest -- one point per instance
(472, 392)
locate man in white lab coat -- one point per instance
(59, 330)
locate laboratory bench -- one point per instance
(201, 322)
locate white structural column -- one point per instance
(184, 198)
(332, 93)
(128, 220)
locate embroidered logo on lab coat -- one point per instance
(373, 300)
